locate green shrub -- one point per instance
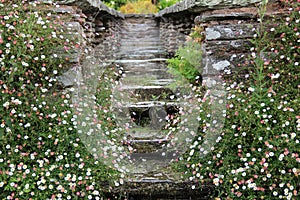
(182, 67)
(162, 4)
(115, 4)
(187, 60)
(139, 7)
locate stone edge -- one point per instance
(204, 5)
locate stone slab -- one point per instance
(230, 32)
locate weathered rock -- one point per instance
(231, 16)
(68, 78)
(229, 32)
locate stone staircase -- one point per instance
(142, 102)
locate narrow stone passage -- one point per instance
(145, 99)
(144, 102)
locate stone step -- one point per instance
(141, 50)
(144, 56)
(141, 22)
(154, 74)
(145, 133)
(143, 25)
(135, 35)
(136, 82)
(141, 30)
(146, 120)
(139, 96)
(143, 66)
(158, 186)
(135, 39)
(149, 88)
(160, 158)
(153, 189)
(152, 37)
(136, 47)
(149, 104)
(139, 61)
(139, 18)
(126, 54)
(146, 146)
(144, 44)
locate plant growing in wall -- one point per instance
(187, 60)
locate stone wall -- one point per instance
(102, 26)
(177, 21)
(174, 29)
(228, 28)
(97, 27)
(227, 37)
(198, 6)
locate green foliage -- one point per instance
(187, 61)
(256, 155)
(138, 7)
(115, 4)
(182, 67)
(104, 100)
(191, 52)
(41, 155)
(162, 4)
(131, 6)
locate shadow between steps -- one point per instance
(160, 190)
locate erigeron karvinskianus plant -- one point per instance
(257, 154)
(41, 155)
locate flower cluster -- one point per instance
(257, 154)
(41, 155)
